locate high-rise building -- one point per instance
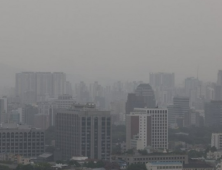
(163, 80)
(183, 103)
(193, 89)
(163, 85)
(21, 140)
(83, 131)
(59, 84)
(34, 87)
(216, 140)
(28, 114)
(69, 88)
(143, 97)
(25, 87)
(174, 112)
(43, 85)
(213, 113)
(147, 127)
(4, 110)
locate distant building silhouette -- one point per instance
(34, 87)
(143, 97)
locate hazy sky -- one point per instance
(113, 39)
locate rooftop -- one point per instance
(197, 165)
(4, 126)
(166, 163)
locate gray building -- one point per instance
(143, 97)
(34, 87)
(213, 113)
(138, 159)
(22, 140)
(83, 131)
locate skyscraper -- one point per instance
(83, 131)
(147, 127)
(143, 97)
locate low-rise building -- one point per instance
(164, 165)
(21, 140)
(197, 166)
(154, 157)
(214, 155)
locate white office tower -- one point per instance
(146, 127)
(216, 140)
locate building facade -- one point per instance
(34, 87)
(84, 131)
(164, 165)
(147, 127)
(143, 159)
(22, 140)
(216, 140)
(213, 113)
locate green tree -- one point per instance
(75, 163)
(213, 149)
(195, 154)
(143, 152)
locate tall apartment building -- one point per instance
(22, 140)
(4, 110)
(83, 131)
(34, 87)
(164, 80)
(216, 140)
(213, 113)
(59, 84)
(25, 87)
(192, 89)
(44, 85)
(147, 127)
(143, 97)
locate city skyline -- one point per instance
(122, 37)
